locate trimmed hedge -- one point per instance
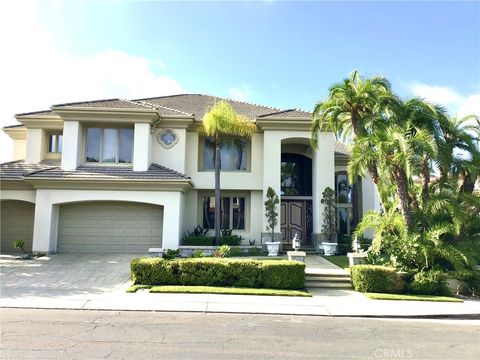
(273, 274)
(431, 282)
(231, 240)
(376, 279)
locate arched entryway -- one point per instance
(17, 219)
(296, 213)
(109, 227)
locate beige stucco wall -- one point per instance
(174, 157)
(47, 210)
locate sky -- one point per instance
(277, 53)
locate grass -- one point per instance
(218, 290)
(409, 297)
(339, 260)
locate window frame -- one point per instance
(57, 141)
(201, 150)
(230, 195)
(102, 129)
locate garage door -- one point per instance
(109, 227)
(16, 224)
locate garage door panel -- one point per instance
(16, 224)
(110, 227)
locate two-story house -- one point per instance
(125, 175)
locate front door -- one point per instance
(296, 218)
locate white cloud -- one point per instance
(241, 93)
(455, 102)
(36, 74)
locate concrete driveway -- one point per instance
(64, 275)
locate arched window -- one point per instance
(296, 175)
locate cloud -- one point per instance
(455, 102)
(36, 73)
(241, 93)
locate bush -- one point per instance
(171, 254)
(378, 279)
(281, 274)
(231, 240)
(433, 282)
(344, 244)
(470, 277)
(197, 254)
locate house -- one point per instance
(122, 175)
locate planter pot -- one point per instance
(297, 255)
(329, 249)
(273, 248)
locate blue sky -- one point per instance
(284, 54)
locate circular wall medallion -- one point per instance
(167, 138)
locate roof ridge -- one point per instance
(83, 102)
(161, 167)
(141, 103)
(276, 112)
(241, 102)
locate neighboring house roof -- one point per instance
(341, 148)
(191, 105)
(154, 172)
(18, 169)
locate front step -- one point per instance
(329, 280)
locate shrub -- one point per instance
(254, 251)
(231, 240)
(281, 274)
(378, 279)
(433, 282)
(197, 254)
(234, 251)
(470, 277)
(171, 254)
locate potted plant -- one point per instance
(271, 214)
(329, 227)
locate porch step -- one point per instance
(328, 280)
(308, 250)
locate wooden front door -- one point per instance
(296, 217)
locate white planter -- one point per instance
(329, 249)
(273, 248)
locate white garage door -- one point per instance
(16, 224)
(109, 227)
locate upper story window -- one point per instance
(343, 188)
(295, 175)
(233, 154)
(109, 145)
(55, 142)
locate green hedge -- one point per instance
(431, 282)
(273, 274)
(377, 279)
(232, 240)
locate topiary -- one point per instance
(379, 279)
(433, 282)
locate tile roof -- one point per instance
(198, 105)
(154, 172)
(183, 104)
(18, 169)
(341, 148)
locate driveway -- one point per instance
(64, 275)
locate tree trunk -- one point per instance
(403, 196)
(425, 171)
(218, 198)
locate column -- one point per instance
(272, 156)
(36, 146)
(323, 175)
(45, 225)
(71, 148)
(171, 221)
(142, 144)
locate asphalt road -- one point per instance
(67, 334)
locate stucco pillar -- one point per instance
(323, 175)
(172, 224)
(36, 146)
(71, 148)
(45, 225)
(272, 156)
(142, 145)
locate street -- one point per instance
(68, 334)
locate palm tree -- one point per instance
(219, 122)
(351, 111)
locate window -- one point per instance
(233, 154)
(295, 175)
(232, 212)
(55, 142)
(348, 203)
(109, 145)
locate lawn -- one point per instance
(339, 260)
(379, 296)
(218, 290)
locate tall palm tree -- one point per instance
(351, 111)
(219, 122)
